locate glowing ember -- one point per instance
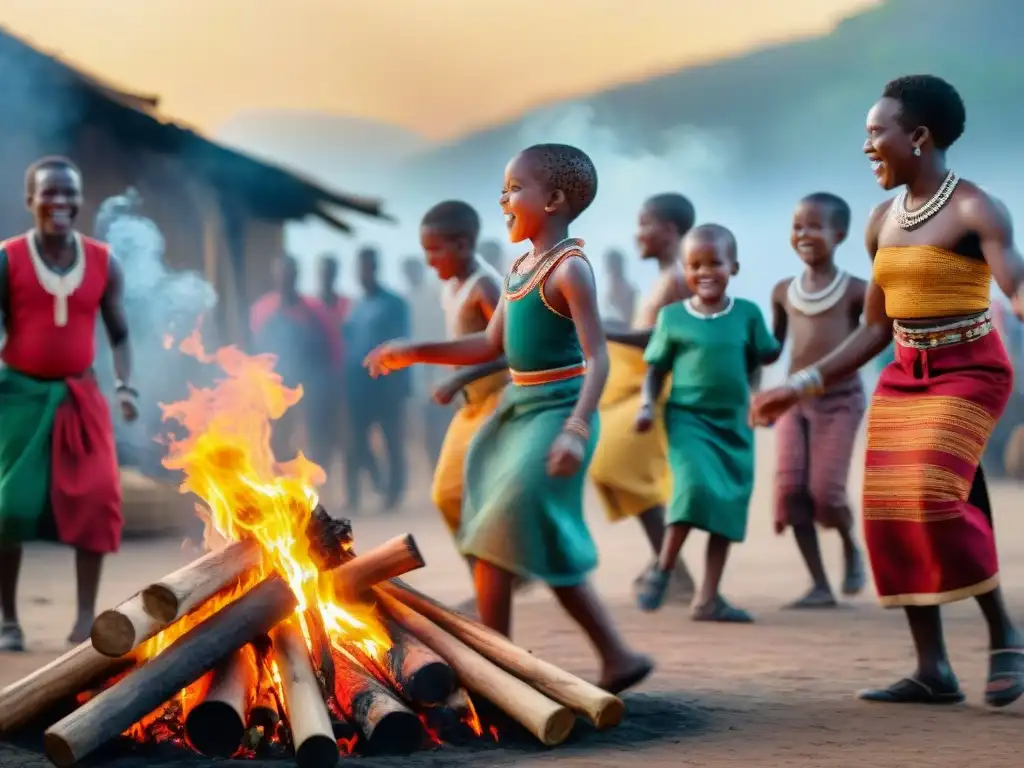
(227, 462)
(223, 451)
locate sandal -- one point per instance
(721, 611)
(12, 640)
(817, 598)
(681, 587)
(651, 594)
(1005, 677)
(854, 580)
(910, 690)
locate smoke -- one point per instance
(161, 305)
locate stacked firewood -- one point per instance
(274, 682)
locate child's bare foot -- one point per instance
(854, 579)
(620, 675)
(721, 611)
(12, 640)
(82, 630)
(818, 597)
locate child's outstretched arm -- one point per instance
(484, 347)
(450, 386)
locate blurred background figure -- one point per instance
(620, 294)
(423, 293)
(379, 315)
(296, 330)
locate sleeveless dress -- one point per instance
(514, 514)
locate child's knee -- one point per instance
(831, 505)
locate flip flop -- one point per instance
(722, 612)
(616, 684)
(910, 690)
(1005, 677)
(651, 594)
(815, 599)
(12, 640)
(854, 579)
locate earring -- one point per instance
(917, 151)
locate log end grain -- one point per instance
(160, 602)
(432, 683)
(558, 727)
(399, 732)
(58, 751)
(317, 752)
(414, 550)
(214, 729)
(610, 714)
(113, 634)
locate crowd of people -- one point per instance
(654, 400)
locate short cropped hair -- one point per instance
(838, 209)
(931, 102)
(571, 170)
(50, 162)
(715, 233)
(454, 218)
(673, 209)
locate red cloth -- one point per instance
(86, 484)
(336, 316)
(306, 310)
(927, 521)
(36, 346)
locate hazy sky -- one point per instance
(439, 67)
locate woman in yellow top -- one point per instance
(928, 526)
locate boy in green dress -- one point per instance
(711, 344)
(522, 513)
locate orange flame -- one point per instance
(227, 462)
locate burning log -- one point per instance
(178, 593)
(263, 714)
(202, 647)
(600, 707)
(455, 720)
(394, 558)
(120, 630)
(421, 676)
(304, 705)
(551, 723)
(387, 726)
(62, 678)
(216, 725)
(180, 664)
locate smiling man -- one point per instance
(58, 465)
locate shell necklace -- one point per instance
(705, 316)
(912, 219)
(816, 302)
(58, 285)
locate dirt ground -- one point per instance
(780, 692)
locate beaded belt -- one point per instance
(532, 378)
(945, 335)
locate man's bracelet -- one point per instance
(807, 382)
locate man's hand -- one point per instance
(127, 399)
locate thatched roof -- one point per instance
(265, 189)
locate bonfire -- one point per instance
(280, 639)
